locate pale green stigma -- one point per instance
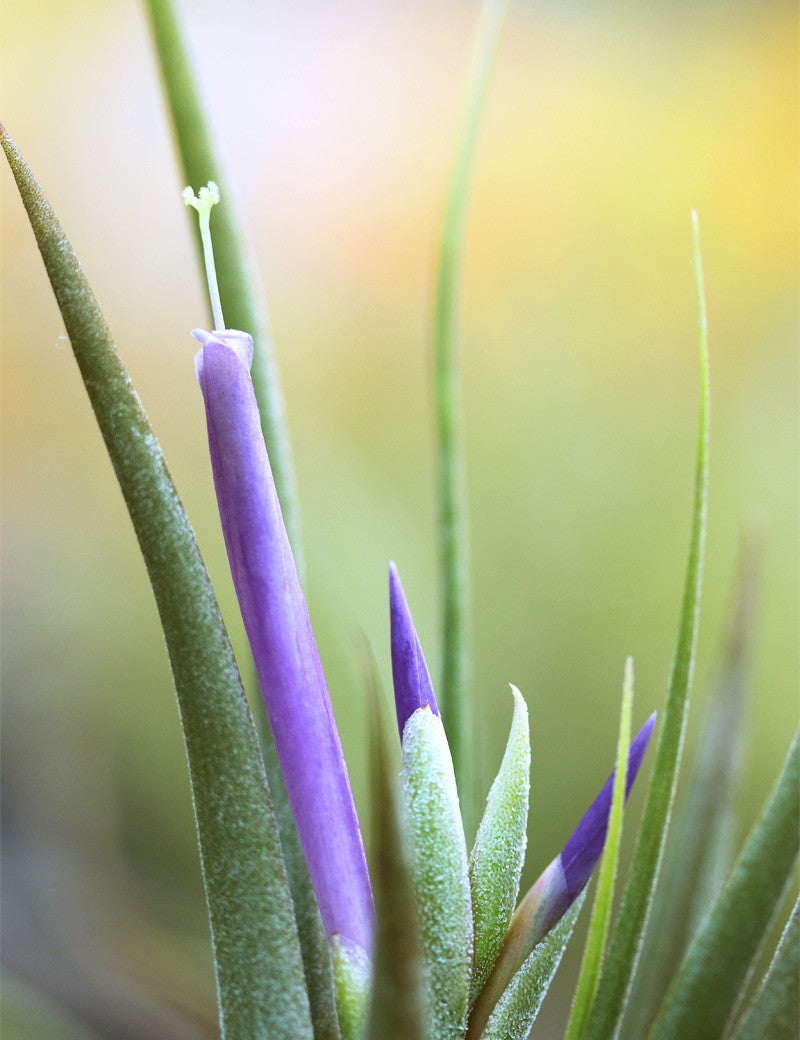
(203, 202)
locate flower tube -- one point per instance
(279, 631)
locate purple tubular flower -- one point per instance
(278, 628)
(413, 688)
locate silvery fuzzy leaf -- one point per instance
(439, 871)
(517, 1009)
(499, 852)
(351, 978)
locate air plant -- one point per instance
(444, 950)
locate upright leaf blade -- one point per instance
(495, 864)
(601, 910)
(775, 1012)
(717, 965)
(699, 849)
(453, 531)
(397, 1003)
(256, 951)
(623, 953)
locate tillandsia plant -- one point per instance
(429, 940)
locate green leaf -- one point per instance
(620, 964)
(517, 1009)
(242, 298)
(351, 983)
(775, 1012)
(439, 871)
(717, 965)
(397, 1008)
(699, 849)
(28, 1015)
(256, 952)
(601, 911)
(498, 855)
(453, 529)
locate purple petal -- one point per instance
(413, 688)
(584, 848)
(278, 628)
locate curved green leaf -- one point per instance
(517, 1009)
(256, 952)
(453, 533)
(775, 1012)
(625, 944)
(439, 871)
(717, 965)
(495, 864)
(601, 910)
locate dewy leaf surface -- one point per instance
(256, 951)
(718, 963)
(631, 921)
(517, 1009)
(439, 871)
(499, 851)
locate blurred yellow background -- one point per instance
(606, 123)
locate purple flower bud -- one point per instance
(278, 628)
(585, 847)
(413, 688)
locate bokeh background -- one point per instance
(606, 123)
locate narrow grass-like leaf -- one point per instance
(717, 965)
(495, 864)
(453, 533)
(601, 910)
(397, 1001)
(621, 960)
(240, 292)
(775, 1012)
(439, 871)
(256, 952)
(699, 849)
(517, 1009)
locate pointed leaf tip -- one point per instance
(412, 681)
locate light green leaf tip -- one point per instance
(517, 1009)
(717, 965)
(439, 871)
(623, 953)
(601, 911)
(498, 855)
(351, 978)
(775, 1011)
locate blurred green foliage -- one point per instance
(605, 125)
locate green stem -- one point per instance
(453, 694)
(256, 951)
